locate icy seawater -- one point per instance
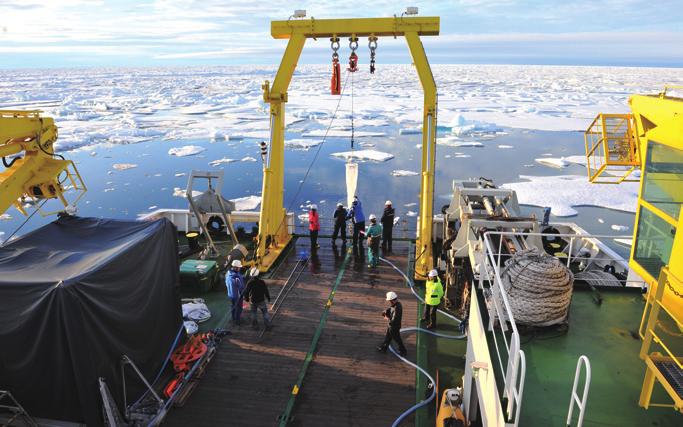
(135, 135)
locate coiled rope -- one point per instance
(539, 288)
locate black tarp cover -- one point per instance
(77, 294)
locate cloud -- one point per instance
(216, 31)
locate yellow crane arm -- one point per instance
(34, 172)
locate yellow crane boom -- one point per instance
(32, 169)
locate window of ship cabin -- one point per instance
(663, 179)
(653, 242)
(663, 189)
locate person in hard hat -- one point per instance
(358, 218)
(234, 281)
(433, 295)
(387, 221)
(374, 235)
(394, 315)
(314, 226)
(339, 224)
(256, 293)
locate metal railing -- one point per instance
(580, 402)
(504, 332)
(572, 250)
(515, 361)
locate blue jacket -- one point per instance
(235, 283)
(356, 212)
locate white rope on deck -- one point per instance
(539, 288)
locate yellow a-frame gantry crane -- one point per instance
(273, 229)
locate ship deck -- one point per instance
(348, 383)
(608, 335)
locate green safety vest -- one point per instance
(433, 292)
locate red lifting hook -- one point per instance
(353, 62)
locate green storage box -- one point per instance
(198, 275)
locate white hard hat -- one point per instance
(433, 273)
(372, 216)
(314, 207)
(391, 295)
(254, 272)
(237, 263)
(387, 203)
(339, 205)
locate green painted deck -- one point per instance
(608, 335)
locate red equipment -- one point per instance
(335, 84)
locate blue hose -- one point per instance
(424, 402)
(420, 404)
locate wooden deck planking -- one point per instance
(348, 383)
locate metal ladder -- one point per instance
(580, 402)
(15, 409)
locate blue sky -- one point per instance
(64, 33)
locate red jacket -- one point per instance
(313, 221)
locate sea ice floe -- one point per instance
(248, 159)
(408, 205)
(553, 162)
(617, 227)
(457, 142)
(180, 192)
(187, 150)
(333, 133)
(505, 146)
(401, 172)
(564, 192)
(302, 144)
(364, 155)
(221, 161)
(411, 213)
(94, 106)
(247, 203)
(124, 166)
(5, 217)
(460, 126)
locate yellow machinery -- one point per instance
(34, 172)
(651, 140)
(273, 232)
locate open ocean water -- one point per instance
(126, 194)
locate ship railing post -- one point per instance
(574, 399)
